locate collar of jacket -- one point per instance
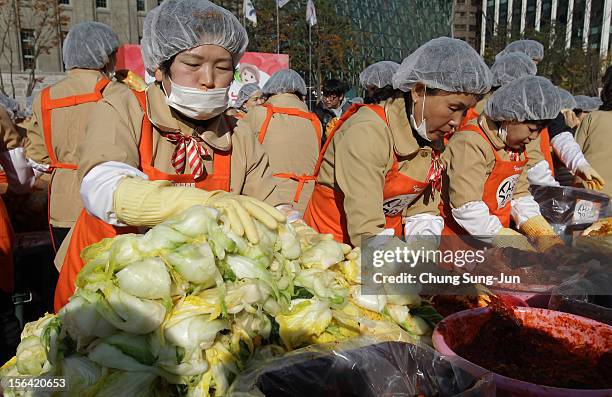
(404, 142)
(287, 101)
(489, 127)
(216, 132)
(86, 74)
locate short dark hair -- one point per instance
(165, 65)
(334, 87)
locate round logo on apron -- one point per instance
(395, 205)
(505, 190)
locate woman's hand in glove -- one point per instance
(590, 178)
(242, 211)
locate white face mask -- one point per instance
(198, 104)
(422, 128)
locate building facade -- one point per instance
(125, 17)
(466, 21)
(582, 23)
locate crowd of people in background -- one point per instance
(440, 144)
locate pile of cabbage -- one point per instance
(181, 309)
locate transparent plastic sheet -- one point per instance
(581, 295)
(570, 209)
(360, 367)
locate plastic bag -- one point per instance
(360, 367)
(569, 209)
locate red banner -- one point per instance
(130, 58)
(256, 67)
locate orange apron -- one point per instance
(498, 189)
(325, 211)
(47, 105)
(6, 251)
(90, 230)
(300, 179)
(547, 149)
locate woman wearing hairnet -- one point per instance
(289, 134)
(585, 105)
(249, 96)
(381, 167)
(532, 48)
(506, 69)
(60, 115)
(152, 154)
(559, 137)
(376, 80)
(593, 134)
(485, 183)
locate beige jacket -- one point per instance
(594, 137)
(68, 126)
(360, 156)
(9, 134)
(291, 143)
(113, 134)
(469, 160)
(534, 152)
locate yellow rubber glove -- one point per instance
(139, 202)
(508, 238)
(242, 211)
(544, 235)
(590, 178)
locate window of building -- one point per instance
(473, 28)
(27, 48)
(460, 27)
(65, 2)
(140, 5)
(460, 1)
(101, 4)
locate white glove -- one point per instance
(541, 174)
(524, 208)
(568, 151)
(99, 185)
(423, 225)
(474, 217)
(19, 173)
(291, 213)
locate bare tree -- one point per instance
(46, 20)
(9, 16)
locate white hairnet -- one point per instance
(379, 74)
(512, 66)
(567, 99)
(12, 107)
(529, 98)
(179, 25)
(447, 64)
(88, 45)
(534, 49)
(246, 92)
(587, 103)
(285, 80)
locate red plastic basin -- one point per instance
(462, 327)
